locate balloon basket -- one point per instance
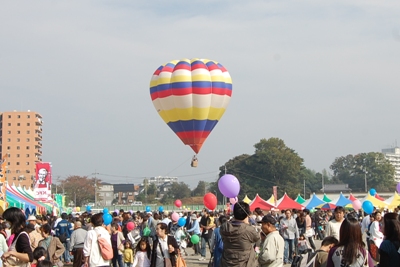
(194, 163)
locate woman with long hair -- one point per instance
(376, 235)
(165, 248)
(351, 249)
(20, 251)
(388, 251)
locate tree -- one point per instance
(80, 188)
(152, 189)
(200, 190)
(372, 167)
(177, 191)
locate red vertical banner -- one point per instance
(42, 188)
(275, 192)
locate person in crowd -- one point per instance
(128, 254)
(204, 234)
(239, 238)
(333, 226)
(319, 224)
(216, 243)
(152, 224)
(272, 243)
(302, 244)
(3, 243)
(63, 231)
(165, 247)
(290, 233)
(91, 247)
(39, 254)
(309, 231)
(45, 263)
(351, 249)
(34, 236)
(195, 230)
(375, 235)
(390, 247)
(77, 240)
(55, 249)
(143, 254)
(33, 220)
(117, 239)
(20, 248)
(321, 256)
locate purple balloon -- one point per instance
(229, 186)
(116, 211)
(398, 188)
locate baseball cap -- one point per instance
(268, 219)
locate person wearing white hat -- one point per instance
(33, 220)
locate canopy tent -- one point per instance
(393, 201)
(328, 206)
(313, 202)
(246, 199)
(258, 202)
(271, 200)
(379, 197)
(342, 201)
(286, 202)
(376, 202)
(352, 198)
(326, 198)
(17, 197)
(299, 199)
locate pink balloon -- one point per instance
(130, 226)
(233, 200)
(356, 204)
(178, 203)
(175, 217)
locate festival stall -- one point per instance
(286, 202)
(313, 202)
(299, 199)
(246, 199)
(258, 202)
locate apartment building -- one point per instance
(21, 140)
(393, 155)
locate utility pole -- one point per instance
(304, 188)
(95, 188)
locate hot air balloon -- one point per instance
(191, 95)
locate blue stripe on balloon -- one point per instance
(192, 125)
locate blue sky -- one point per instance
(321, 75)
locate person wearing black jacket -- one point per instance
(165, 247)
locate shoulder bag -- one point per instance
(167, 261)
(13, 261)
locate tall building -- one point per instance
(393, 155)
(21, 140)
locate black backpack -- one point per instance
(305, 259)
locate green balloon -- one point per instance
(146, 231)
(195, 239)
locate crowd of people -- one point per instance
(243, 238)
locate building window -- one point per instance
(28, 132)
(27, 147)
(18, 132)
(28, 124)
(19, 116)
(9, 116)
(9, 124)
(28, 116)
(14, 178)
(18, 139)
(27, 163)
(8, 148)
(8, 171)
(8, 140)
(9, 132)
(27, 139)
(18, 124)
(17, 155)
(17, 171)
(17, 147)
(28, 171)
(17, 163)
(27, 155)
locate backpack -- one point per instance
(63, 237)
(105, 248)
(305, 259)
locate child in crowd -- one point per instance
(143, 252)
(180, 239)
(39, 254)
(302, 244)
(321, 256)
(128, 254)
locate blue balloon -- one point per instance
(148, 209)
(368, 207)
(105, 210)
(107, 218)
(182, 222)
(88, 208)
(161, 209)
(372, 192)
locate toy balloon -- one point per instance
(191, 95)
(356, 204)
(74, 209)
(131, 212)
(148, 209)
(195, 239)
(105, 210)
(78, 209)
(146, 231)
(368, 207)
(88, 208)
(372, 192)
(178, 203)
(233, 200)
(161, 209)
(130, 226)
(182, 222)
(69, 210)
(229, 185)
(116, 211)
(210, 201)
(398, 188)
(175, 217)
(107, 218)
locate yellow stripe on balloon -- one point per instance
(191, 114)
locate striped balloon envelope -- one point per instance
(191, 95)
